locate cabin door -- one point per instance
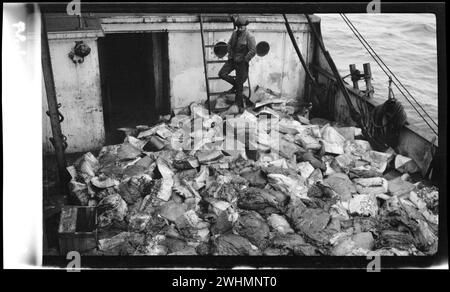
(135, 82)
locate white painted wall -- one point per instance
(279, 70)
(78, 91)
(187, 79)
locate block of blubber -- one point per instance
(398, 187)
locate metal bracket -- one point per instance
(64, 138)
(61, 117)
(357, 75)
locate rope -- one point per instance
(362, 40)
(364, 43)
(372, 52)
(375, 53)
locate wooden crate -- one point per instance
(77, 229)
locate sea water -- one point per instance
(405, 42)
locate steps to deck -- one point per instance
(215, 61)
(218, 78)
(207, 62)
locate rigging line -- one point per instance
(389, 70)
(382, 68)
(423, 118)
(392, 73)
(353, 113)
(360, 37)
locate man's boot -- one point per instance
(240, 102)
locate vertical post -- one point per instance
(102, 44)
(204, 64)
(80, 22)
(353, 113)
(52, 102)
(297, 50)
(352, 72)
(157, 71)
(368, 79)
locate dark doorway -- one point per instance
(134, 75)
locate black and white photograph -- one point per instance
(207, 135)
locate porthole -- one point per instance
(262, 48)
(220, 49)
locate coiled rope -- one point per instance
(388, 119)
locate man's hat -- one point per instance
(241, 21)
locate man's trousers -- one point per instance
(241, 69)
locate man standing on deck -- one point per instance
(241, 49)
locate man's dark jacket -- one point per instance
(242, 48)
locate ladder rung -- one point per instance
(212, 46)
(219, 30)
(219, 93)
(217, 78)
(215, 61)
